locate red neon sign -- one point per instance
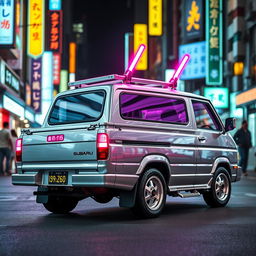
(55, 31)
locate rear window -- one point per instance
(76, 108)
(153, 108)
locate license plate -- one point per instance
(58, 177)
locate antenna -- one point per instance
(131, 67)
(178, 72)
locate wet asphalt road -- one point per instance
(186, 227)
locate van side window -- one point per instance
(153, 108)
(205, 117)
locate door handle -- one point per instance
(201, 139)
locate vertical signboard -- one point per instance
(55, 31)
(56, 68)
(155, 17)
(36, 28)
(140, 37)
(196, 66)
(54, 5)
(36, 83)
(214, 42)
(7, 23)
(217, 95)
(16, 64)
(194, 19)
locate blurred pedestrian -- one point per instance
(13, 138)
(243, 139)
(5, 149)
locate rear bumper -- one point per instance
(236, 173)
(125, 182)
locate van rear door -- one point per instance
(69, 141)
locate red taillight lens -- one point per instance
(18, 150)
(102, 146)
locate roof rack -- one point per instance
(108, 78)
(127, 78)
(118, 79)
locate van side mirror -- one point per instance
(230, 124)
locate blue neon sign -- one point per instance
(7, 23)
(55, 5)
(196, 67)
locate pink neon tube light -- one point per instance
(182, 65)
(138, 54)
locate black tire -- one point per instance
(152, 185)
(220, 191)
(60, 205)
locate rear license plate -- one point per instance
(58, 177)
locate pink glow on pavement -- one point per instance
(182, 65)
(138, 54)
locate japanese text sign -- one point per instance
(214, 42)
(218, 96)
(11, 80)
(7, 14)
(196, 66)
(36, 83)
(56, 68)
(55, 31)
(194, 19)
(54, 5)
(36, 28)
(141, 37)
(155, 17)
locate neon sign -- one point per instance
(7, 23)
(155, 17)
(55, 31)
(214, 42)
(36, 28)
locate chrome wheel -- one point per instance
(153, 193)
(222, 187)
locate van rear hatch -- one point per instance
(69, 141)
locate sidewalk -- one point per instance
(251, 175)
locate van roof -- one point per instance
(139, 84)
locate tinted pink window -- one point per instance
(152, 108)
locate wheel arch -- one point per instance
(158, 162)
(222, 162)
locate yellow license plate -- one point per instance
(58, 177)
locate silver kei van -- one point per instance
(135, 140)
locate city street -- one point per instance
(186, 227)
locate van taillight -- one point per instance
(18, 150)
(102, 146)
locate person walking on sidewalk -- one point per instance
(14, 137)
(243, 139)
(5, 149)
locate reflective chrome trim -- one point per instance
(182, 164)
(141, 146)
(188, 187)
(59, 166)
(190, 175)
(191, 165)
(122, 163)
(217, 149)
